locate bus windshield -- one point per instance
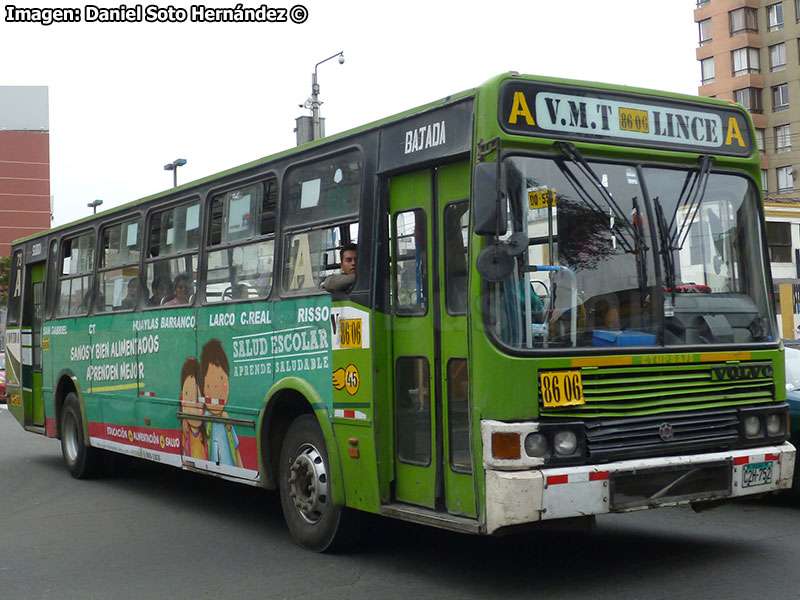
(630, 255)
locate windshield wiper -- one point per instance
(574, 156)
(691, 202)
(666, 248)
(641, 249)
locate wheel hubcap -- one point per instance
(308, 483)
(70, 434)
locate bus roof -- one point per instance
(490, 86)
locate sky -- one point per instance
(127, 98)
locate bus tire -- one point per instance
(81, 460)
(314, 521)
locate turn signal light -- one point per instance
(506, 445)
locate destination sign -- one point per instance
(428, 136)
(576, 113)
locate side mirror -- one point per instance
(489, 207)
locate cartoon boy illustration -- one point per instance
(223, 443)
(193, 432)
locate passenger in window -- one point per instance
(183, 290)
(161, 289)
(606, 315)
(130, 300)
(340, 283)
(240, 291)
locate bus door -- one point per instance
(31, 351)
(433, 465)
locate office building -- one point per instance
(24, 163)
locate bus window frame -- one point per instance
(71, 235)
(446, 275)
(146, 261)
(101, 230)
(284, 232)
(344, 227)
(407, 309)
(264, 180)
(51, 278)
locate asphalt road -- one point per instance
(159, 533)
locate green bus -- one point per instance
(561, 308)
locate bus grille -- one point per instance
(633, 412)
(610, 439)
(642, 391)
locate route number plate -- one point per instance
(634, 120)
(350, 333)
(561, 388)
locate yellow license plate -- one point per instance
(350, 333)
(541, 199)
(634, 120)
(561, 388)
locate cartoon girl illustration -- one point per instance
(193, 433)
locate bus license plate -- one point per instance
(350, 333)
(634, 120)
(561, 388)
(757, 474)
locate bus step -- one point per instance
(427, 516)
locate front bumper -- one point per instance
(518, 497)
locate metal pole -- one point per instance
(316, 127)
(315, 105)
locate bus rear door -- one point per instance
(30, 349)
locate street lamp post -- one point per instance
(173, 166)
(315, 103)
(93, 205)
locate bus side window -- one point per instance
(320, 207)
(118, 272)
(75, 281)
(52, 280)
(172, 248)
(456, 226)
(411, 276)
(241, 243)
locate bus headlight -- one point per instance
(752, 426)
(565, 443)
(532, 444)
(535, 445)
(764, 424)
(774, 424)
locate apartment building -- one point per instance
(749, 52)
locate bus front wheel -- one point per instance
(81, 460)
(314, 521)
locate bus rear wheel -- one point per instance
(81, 460)
(314, 521)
